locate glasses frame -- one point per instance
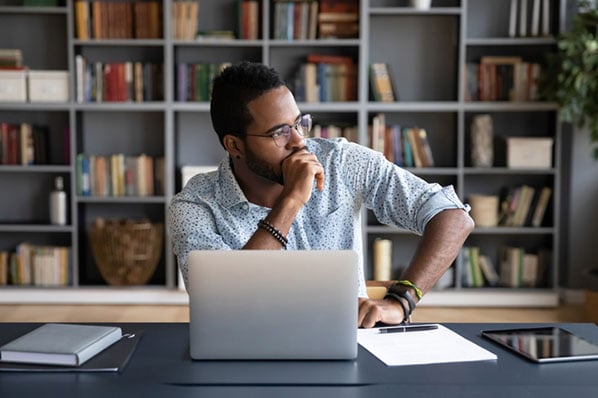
(284, 132)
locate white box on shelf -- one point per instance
(13, 86)
(529, 152)
(48, 86)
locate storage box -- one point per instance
(529, 152)
(13, 86)
(48, 86)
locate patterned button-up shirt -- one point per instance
(212, 213)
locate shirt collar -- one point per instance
(228, 191)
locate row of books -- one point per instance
(295, 20)
(351, 133)
(184, 19)
(502, 78)
(119, 175)
(118, 81)
(118, 19)
(326, 78)
(11, 58)
(404, 146)
(194, 81)
(529, 18)
(39, 265)
(524, 205)
(23, 144)
(516, 268)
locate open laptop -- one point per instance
(273, 304)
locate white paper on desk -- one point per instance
(440, 345)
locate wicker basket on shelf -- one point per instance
(126, 251)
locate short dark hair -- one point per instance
(233, 89)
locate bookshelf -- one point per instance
(427, 55)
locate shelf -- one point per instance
(485, 297)
(33, 10)
(427, 50)
(35, 169)
(375, 11)
(511, 41)
(36, 228)
(422, 106)
(121, 199)
(510, 106)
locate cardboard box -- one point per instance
(48, 86)
(529, 152)
(13, 86)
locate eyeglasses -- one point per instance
(282, 134)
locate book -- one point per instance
(60, 344)
(113, 359)
(381, 82)
(513, 19)
(540, 208)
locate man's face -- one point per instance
(270, 111)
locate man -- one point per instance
(277, 189)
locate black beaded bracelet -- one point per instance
(274, 232)
(406, 310)
(402, 291)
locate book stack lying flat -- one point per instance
(60, 344)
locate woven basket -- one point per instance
(125, 251)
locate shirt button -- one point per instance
(245, 207)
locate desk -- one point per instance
(161, 366)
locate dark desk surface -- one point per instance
(161, 366)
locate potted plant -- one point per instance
(571, 78)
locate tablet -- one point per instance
(544, 344)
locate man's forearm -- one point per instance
(443, 237)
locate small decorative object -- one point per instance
(382, 259)
(58, 212)
(126, 251)
(482, 149)
(484, 210)
(421, 4)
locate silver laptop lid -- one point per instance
(273, 304)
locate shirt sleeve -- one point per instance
(191, 226)
(396, 196)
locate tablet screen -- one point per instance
(546, 344)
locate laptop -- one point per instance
(273, 304)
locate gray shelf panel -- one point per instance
(120, 42)
(315, 43)
(513, 231)
(37, 106)
(191, 106)
(121, 199)
(35, 169)
(449, 171)
(419, 106)
(487, 106)
(413, 11)
(328, 106)
(45, 228)
(510, 41)
(33, 10)
(150, 106)
(218, 43)
(506, 171)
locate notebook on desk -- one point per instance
(273, 304)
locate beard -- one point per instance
(262, 168)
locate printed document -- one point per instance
(439, 345)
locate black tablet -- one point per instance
(544, 344)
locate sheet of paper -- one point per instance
(440, 345)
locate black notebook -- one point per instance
(112, 359)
